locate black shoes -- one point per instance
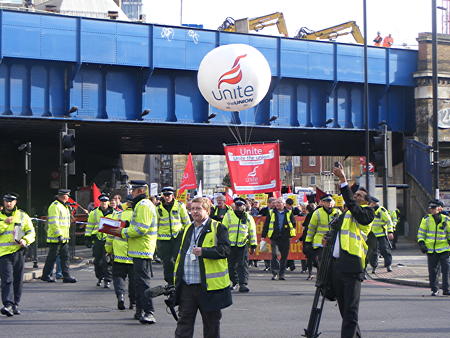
(99, 283)
(389, 269)
(243, 288)
(121, 305)
(138, 314)
(7, 311)
(69, 280)
(132, 305)
(147, 318)
(274, 277)
(47, 279)
(106, 284)
(281, 278)
(16, 310)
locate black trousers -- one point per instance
(11, 275)
(53, 250)
(141, 270)
(382, 246)
(102, 269)
(168, 251)
(279, 266)
(237, 265)
(347, 287)
(434, 261)
(120, 272)
(189, 304)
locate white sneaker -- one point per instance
(435, 293)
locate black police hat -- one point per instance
(168, 190)
(10, 196)
(64, 192)
(373, 199)
(435, 203)
(135, 184)
(327, 198)
(239, 201)
(103, 197)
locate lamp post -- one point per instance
(366, 96)
(434, 81)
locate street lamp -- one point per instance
(434, 81)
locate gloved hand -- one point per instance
(307, 248)
(423, 247)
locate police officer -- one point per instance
(122, 266)
(102, 268)
(349, 253)
(58, 222)
(383, 230)
(16, 233)
(141, 235)
(318, 226)
(434, 238)
(280, 228)
(172, 219)
(242, 234)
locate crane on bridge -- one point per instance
(255, 24)
(333, 32)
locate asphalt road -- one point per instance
(272, 309)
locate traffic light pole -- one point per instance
(63, 165)
(385, 191)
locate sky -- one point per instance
(404, 19)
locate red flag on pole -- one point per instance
(95, 193)
(229, 197)
(189, 180)
(319, 194)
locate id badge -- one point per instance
(193, 257)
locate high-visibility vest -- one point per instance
(435, 236)
(319, 226)
(93, 221)
(292, 231)
(240, 232)
(216, 210)
(394, 217)
(353, 237)
(118, 246)
(170, 224)
(382, 222)
(7, 243)
(58, 222)
(215, 270)
(142, 232)
(388, 41)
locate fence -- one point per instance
(418, 164)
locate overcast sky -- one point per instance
(404, 19)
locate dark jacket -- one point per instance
(346, 262)
(210, 300)
(284, 234)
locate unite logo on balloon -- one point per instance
(235, 88)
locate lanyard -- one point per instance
(196, 237)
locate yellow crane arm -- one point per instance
(332, 33)
(255, 24)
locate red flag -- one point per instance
(229, 197)
(95, 193)
(319, 194)
(289, 191)
(189, 180)
(254, 168)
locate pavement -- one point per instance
(409, 265)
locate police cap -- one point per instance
(239, 201)
(167, 190)
(326, 198)
(10, 196)
(373, 199)
(64, 192)
(136, 184)
(103, 198)
(435, 203)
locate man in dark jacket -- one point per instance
(279, 227)
(201, 273)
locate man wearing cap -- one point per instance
(434, 238)
(221, 209)
(280, 228)
(141, 235)
(58, 222)
(101, 267)
(242, 234)
(318, 227)
(172, 219)
(383, 231)
(16, 233)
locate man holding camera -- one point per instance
(16, 233)
(434, 238)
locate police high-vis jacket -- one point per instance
(118, 246)
(394, 217)
(142, 232)
(21, 223)
(58, 222)
(382, 224)
(240, 231)
(170, 224)
(93, 221)
(289, 224)
(435, 236)
(319, 225)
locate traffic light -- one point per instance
(67, 150)
(379, 150)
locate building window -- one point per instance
(312, 180)
(312, 161)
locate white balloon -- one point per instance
(234, 77)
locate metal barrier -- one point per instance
(418, 164)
